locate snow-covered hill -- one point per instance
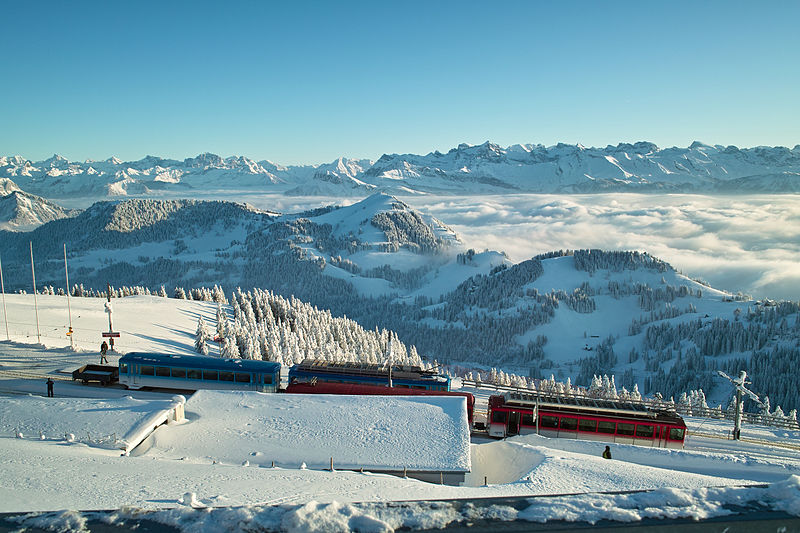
(485, 168)
(20, 211)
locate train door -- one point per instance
(513, 423)
(135, 371)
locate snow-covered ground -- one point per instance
(178, 469)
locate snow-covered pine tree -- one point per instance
(201, 337)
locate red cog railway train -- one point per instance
(581, 417)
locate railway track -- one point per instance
(760, 442)
(17, 374)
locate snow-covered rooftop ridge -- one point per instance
(419, 433)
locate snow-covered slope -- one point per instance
(485, 168)
(20, 211)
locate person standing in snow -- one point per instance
(103, 350)
(607, 453)
(50, 387)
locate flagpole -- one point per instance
(69, 308)
(35, 301)
(3, 288)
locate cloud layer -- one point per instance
(736, 243)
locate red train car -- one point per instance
(323, 387)
(584, 418)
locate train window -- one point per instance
(194, 373)
(162, 371)
(225, 376)
(644, 431)
(606, 427)
(147, 371)
(527, 419)
(624, 429)
(499, 417)
(587, 425)
(675, 434)
(242, 378)
(123, 368)
(210, 374)
(546, 421)
(267, 379)
(179, 373)
(569, 424)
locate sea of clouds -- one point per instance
(748, 244)
(737, 243)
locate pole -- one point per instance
(3, 288)
(35, 301)
(69, 308)
(110, 328)
(390, 358)
(737, 424)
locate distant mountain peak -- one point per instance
(485, 168)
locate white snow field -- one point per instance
(219, 458)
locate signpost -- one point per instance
(114, 334)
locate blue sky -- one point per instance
(306, 82)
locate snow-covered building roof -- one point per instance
(376, 433)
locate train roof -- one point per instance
(320, 366)
(201, 361)
(324, 387)
(586, 404)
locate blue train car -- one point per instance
(402, 376)
(194, 372)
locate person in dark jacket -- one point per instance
(103, 351)
(50, 387)
(607, 453)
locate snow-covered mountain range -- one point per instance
(485, 168)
